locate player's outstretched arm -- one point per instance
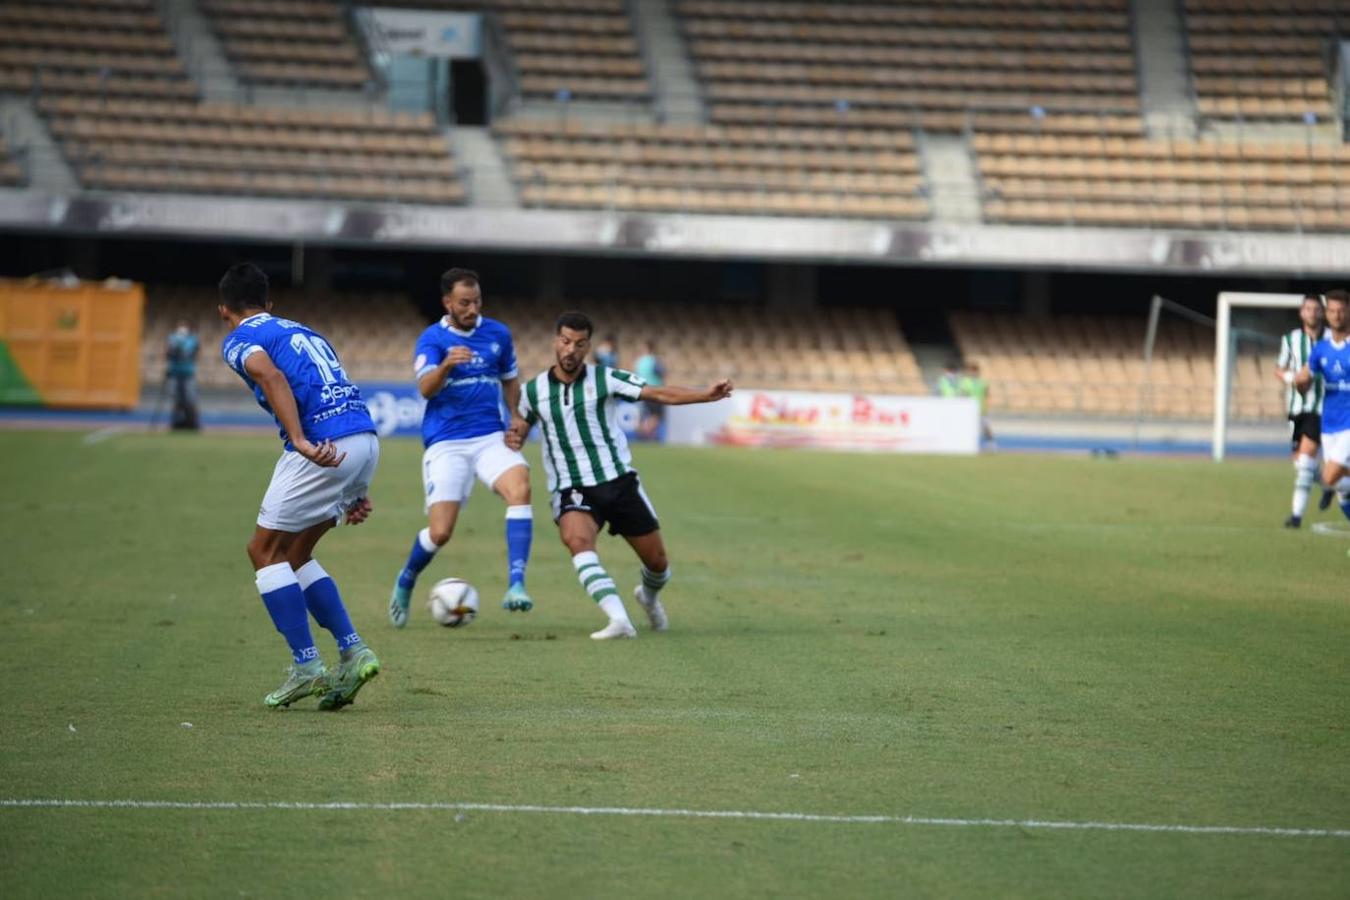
(672, 395)
(277, 390)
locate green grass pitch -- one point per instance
(1008, 637)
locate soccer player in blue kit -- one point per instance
(466, 366)
(1330, 358)
(322, 478)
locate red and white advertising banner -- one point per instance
(868, 422)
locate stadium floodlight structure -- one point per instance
(1225, 347)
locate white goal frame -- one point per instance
(1224, 348)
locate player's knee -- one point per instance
(577, 543)
(260, 554)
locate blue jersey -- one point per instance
(330, 406)
(470, 405)
(1332, 362)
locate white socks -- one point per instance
(1305, 474)
(599, 585)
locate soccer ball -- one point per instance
(453, 602)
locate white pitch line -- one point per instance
(676, 813)
(101, 435)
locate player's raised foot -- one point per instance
(617, 628)
(516, 599)
(302, 681)
(399, 601)
(352, 673)
(656, 613)
(1293, 522)
(1327, 496)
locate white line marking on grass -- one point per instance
(98, 437)
(676, 814)
(1331, 529)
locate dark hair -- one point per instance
(452, 277)
(575, 321)
(1340, 295)
(1316, 298)
(243, 287)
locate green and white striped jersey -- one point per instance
(583, 443)
(1295, 347)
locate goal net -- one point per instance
(1195, 366)
(1247, 324)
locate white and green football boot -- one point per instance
(352, 673)
(303, 680)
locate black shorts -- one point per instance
(621, 502)
(1307, 425)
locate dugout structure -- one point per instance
(70, 344)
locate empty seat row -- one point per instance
(112, 176)
(369, 119)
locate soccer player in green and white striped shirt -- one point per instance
(1304, 407)
(591, 479)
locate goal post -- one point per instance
(1224, 348)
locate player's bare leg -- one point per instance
(651, 549)
(441, 519)
(513, 486)
(578, 532)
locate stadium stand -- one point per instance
(1264, 59)
(585, 47)
(11, 173)
(104, 48)
(863, 350)
(306, 43)
(373, 333)
(1094, 365)
(1053, 179)
(815, 172)
(262, 151)
(909, 63)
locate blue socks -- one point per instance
(423, 549)
(519, 532)
(325, 605)
(285, 603)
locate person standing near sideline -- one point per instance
(973, 385)
(652, 371)
(180, 371)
